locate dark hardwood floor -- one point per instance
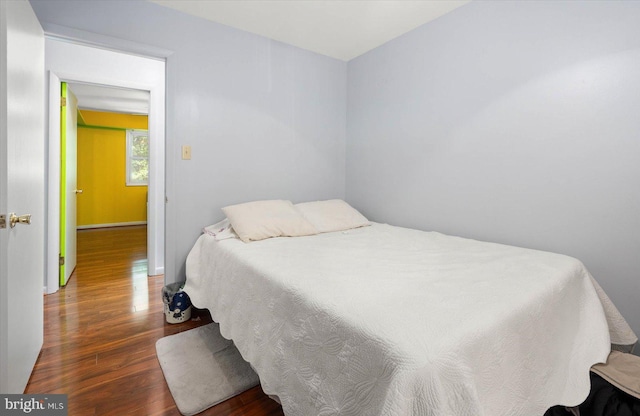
(100, 334)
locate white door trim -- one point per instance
(52, 251)
(105, 67)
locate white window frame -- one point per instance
(131, 134)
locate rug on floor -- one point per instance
(202, 368)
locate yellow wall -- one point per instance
(102, 170)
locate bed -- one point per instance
(384, 320)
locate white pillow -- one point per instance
(258, 220)
(332, 215)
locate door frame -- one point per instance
(74, 62)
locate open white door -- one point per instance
(22, 191)
(69, 182)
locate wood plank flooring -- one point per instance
(101, 330)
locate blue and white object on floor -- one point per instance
(177, 305)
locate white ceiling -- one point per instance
(342, 29)
(117, 100)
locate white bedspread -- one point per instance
(384, 320)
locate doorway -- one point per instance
(105, 162)
(83, 64)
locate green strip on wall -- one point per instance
(88, 126)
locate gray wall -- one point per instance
(515, 122)
(264, 119)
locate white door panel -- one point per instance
(22, 190)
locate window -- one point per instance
(137, 157)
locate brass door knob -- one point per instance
(78, 191)
(22, 219)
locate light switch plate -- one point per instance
(186, 152)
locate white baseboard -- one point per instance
(156, 272)
(113, 224)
